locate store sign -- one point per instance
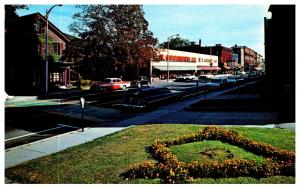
(207, 60)
(235, 57)
(181, 59)
(177, 58)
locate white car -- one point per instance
(189, 76)
(186, 78)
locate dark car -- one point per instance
(141, 81)
(149, 97)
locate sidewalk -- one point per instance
(37, 149)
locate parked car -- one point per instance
(251, 75)
(148, 97)
(186, 78)
(235, 79)
(110, 84)
(141, 81)
(189, 76)
(217, 82)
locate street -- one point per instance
(32, 123)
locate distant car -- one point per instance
(148, 97)
(110, 84)
(186, 78)
(182, 79)
(141, 81)
(235, 79)
(216, 82)
(251, 75)
(189, 76)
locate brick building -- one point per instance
(224, 53)
(246, 57)
(25, 57)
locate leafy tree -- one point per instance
(115, 39)
(175, 43)
(74, 53)
(10, 11)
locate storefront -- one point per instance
(180, 62)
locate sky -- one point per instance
(213, 24)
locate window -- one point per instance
(38, 27)
(54, 77)
(56, 48)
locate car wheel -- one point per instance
(123, 87)
(139, 85)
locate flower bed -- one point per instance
(171, 170)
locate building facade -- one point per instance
(224, 54)
(246, 57)
(181, 62)
(25, 55)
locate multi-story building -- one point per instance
(258, 61)
(224, 54)
(246, 57)
(25, 55)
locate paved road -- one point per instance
(29, 119)
(46, 118)
(175, 113)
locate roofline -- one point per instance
(49, 23)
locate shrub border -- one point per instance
(171, 170)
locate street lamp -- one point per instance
(46, 48)
(168, 75)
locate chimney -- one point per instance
(199, 42)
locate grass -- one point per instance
(105, 159)
(192, 152)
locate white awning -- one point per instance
(176, 68)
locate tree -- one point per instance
(10, 11)
(73, 53)
(175, 43)
(115, 40)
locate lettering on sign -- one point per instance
(176, 58)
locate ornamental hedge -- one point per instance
(171, 170)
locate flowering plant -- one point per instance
(170, 170)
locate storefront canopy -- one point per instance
(175, 68)
(208, 68)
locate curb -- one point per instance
(42, 140)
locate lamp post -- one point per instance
(168, 72)
(46, 48)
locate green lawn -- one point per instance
(105, 159)
(222, 151)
